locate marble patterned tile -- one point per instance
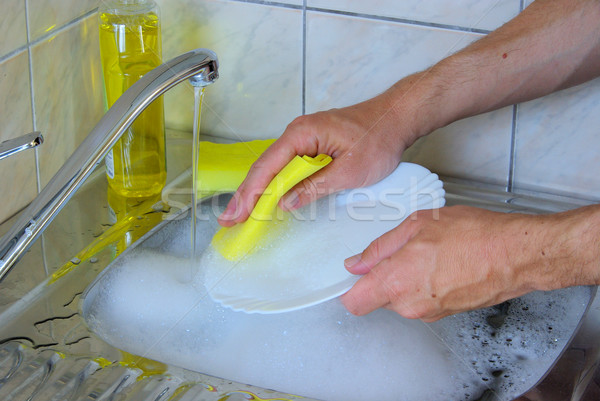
(69, 92)
(477, 148)
(18, 185)
(260, 56)
(45, 16)
(477, 14)
(558, 141)
(348, 61)
(12, 26)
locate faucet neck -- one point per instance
(36, 217)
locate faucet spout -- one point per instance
(200, 66)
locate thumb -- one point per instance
(381, 248)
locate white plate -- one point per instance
(304, 266)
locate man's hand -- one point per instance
(364, 146)
(470, 258)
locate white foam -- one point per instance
(145, 304)
(322, 352)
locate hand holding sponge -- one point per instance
(236, 242)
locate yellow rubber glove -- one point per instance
(236, 242)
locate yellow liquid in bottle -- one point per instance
(130, 46)
(131, 218)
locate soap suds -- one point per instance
(145, 304)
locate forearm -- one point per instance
(561, 250)
(551, 45)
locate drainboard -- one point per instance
(30, 374)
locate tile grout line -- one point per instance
(28, 48)
(454, 28)
(13, 53)
(37, 41)
(512, 160)
(269, 3)
(34, 125)
(373, 17)
(67, 25)
(304, 57)
(32, 95)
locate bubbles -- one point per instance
(511, 356)
(322, 352)
(142, 305)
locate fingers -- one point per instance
(366, 295)
(260, 175)
(387, 286)
(384, 286)
(337, 133)
(376, 288)
(299, 138)
(388, 279)
(333, 178)
(306, 191)
(381, 248)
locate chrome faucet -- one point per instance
(12, 146)
(200, 66)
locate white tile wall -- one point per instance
(47, 16)
(12, 26)
(558, 143)
(18, 184)
(469, 14)
(279, 59)
(69, 98)
(350, 59)
(260, 54)
(477, 148)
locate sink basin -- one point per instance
(319, 351)
(50, 346)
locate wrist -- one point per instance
(417, 104)
(578, 231)
(565, 249)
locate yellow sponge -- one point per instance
(223, 166)
(237, 241)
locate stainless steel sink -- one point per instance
(47, 351)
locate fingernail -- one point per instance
(229, 212)
(351, 261)
(291, 200)
(355, 265)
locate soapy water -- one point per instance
(300, 263)
(311, 352)
(144, 305)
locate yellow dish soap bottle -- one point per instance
(130, 46)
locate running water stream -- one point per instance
(198, 98)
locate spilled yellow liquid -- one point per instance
(148, 367)
(131, 218)
(130, 46)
